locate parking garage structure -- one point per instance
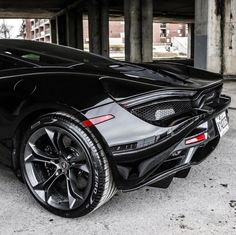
(211, 23)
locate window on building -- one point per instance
(117, 39)
(170, 40)
(163, 33)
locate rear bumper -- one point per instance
(155, 163)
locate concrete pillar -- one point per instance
(127, 29)
(133, 36)
(94, 27)
(71, 28)
(98, 17)
(191, 41)
(61, 30)
(53, 31)
(105, 27)
(79, 30)
(215, 35)
(147, 30)
(207, 36)
(138, 30)
(230, 37)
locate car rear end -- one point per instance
(159, 134)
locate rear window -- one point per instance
(46, 54)
(38, 58)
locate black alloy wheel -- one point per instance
(64, 167)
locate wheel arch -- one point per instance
(16, 140)
(25, 121)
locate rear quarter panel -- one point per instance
(24, 93)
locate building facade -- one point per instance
(37, 30)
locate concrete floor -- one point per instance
(204, 203)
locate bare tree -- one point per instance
(5, 30)
(22, 29)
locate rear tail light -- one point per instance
(97, 120)
(196, 139)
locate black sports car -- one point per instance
(76, 127)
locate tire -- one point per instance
(65, 167)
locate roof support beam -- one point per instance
(72, 6)
(14, 13)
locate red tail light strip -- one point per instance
(196, 139)
(97, 120)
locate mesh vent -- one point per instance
(159, 111)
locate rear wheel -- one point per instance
(65, 167)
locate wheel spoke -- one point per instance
(38, 155)
(60, 145)
(53, 137)
(56, 139)
(47, 184)
(36, 158)
(82, 156)
(74, 196)
(74, 185)
(82, 167)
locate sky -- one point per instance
(15, 23)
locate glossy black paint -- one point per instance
(38, 78)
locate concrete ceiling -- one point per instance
(48, 8)
(163, 7)
(32, 8)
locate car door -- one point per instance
(9, 97)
